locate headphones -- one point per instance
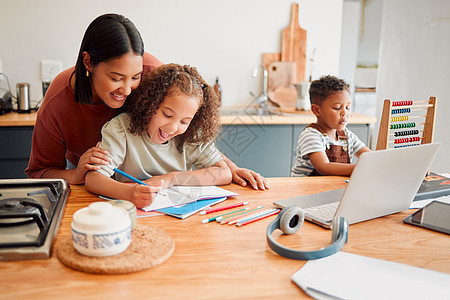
(290, 219)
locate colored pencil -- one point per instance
(259, 218)
(231, 214)
(210, 211)
(252, 216)
(134, 179)
(214, 218)
(230, 219)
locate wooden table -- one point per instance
(225, 262)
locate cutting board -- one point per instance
(268, 58)
(293, 44)
(280, 85)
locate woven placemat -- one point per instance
(149, 247)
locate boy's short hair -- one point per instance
(328, 85)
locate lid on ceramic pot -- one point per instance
(101, 216)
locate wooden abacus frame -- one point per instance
(386, 118)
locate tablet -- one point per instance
(435, 216)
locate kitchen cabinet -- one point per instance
(14, 151)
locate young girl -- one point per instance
(168, 131)
(327, 146)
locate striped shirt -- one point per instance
(312, 140)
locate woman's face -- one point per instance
(113, 80)
(173, 117)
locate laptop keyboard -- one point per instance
(324, 213)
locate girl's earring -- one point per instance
(87, 73)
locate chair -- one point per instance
(398, 127)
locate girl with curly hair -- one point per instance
(165, 138)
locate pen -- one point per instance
(214, 218)
(259, 218)
(231, 219)
(205, 212)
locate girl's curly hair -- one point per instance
(172, 78)
(326, 86)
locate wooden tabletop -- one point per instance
(220, 261)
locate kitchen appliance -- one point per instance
(5, 102)
(30, 214)
(23, 97)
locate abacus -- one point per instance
(406, 125)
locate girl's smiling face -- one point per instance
(113, 80)
(172, 117)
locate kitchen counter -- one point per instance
(291, 117)
(16, 119)
(213, 261)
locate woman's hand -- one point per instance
(242, 175)
(89, 161)
(143, 195)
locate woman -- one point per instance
(81, 99)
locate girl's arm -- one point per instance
(140, 195)
(321, 163)
(219, 174)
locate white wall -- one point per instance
(220, 38)
(414, 61)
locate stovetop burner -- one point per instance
(30, 213)
(16, 211)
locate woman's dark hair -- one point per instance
(175, 79)
(108, 36)
(326, 86)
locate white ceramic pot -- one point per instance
(101, 229)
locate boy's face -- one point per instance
(172, 118)
(334, 112)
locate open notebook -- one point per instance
(383, 182)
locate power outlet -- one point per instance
(49, 69)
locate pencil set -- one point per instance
(240, 217)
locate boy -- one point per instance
(327, 146)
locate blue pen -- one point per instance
(129, 176)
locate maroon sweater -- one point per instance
(65, 129)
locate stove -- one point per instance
(31, 211)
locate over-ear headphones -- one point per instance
(290, 219)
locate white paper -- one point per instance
(422, 203)
(350, 276)
(179, 195)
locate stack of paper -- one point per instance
(349, 276)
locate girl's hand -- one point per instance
(88, 161)
(241, 176)
(162, 181)
(143, 195)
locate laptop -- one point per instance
(383, 182)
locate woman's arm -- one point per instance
(242, 175)
(219, 174)
(140, 195)
(89, 161)
(322, 165)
